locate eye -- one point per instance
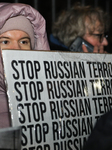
(4, 42)
(25, 41)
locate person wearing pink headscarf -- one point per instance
(21, 27)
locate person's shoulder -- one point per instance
(101, 136)
(57, 47)
(55, 44)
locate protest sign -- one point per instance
(56, 97)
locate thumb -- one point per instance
(84, 48)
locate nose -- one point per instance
(15, 45)
(104, 42)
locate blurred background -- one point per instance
(51, 8)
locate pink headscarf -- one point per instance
(19, 23)
(10, 10)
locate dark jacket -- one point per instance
(55, 44)
(101, 136)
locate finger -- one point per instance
(95, 50)
(101, 49)
(84, 48)
(105, 52)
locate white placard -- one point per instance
(57, 96)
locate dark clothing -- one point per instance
(101, 136)
(55, 44)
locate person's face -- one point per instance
(15, 39)
(97, 39)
